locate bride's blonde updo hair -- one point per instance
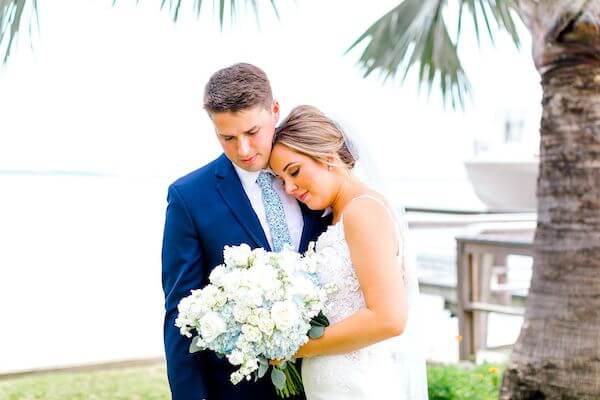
(308, 131)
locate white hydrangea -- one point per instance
(236, 357)
(260, 257)
(217, 274)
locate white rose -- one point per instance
(211, 326)
(241, 313)
(251, 333)
(237, 256)
(284, 314)
(266, 326)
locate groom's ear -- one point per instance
(275, 110)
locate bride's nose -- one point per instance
(289, 187)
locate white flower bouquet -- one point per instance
(258, 306)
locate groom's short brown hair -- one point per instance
(236, 88)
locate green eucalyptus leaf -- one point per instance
(320, 320)
(316, 332)
(262, 370)
(278, 378)
(194, 347)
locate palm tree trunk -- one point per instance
(557, 355)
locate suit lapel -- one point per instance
(313, 225)
(231, 190)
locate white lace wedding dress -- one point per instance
(392, 369)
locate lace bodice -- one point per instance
(336, 268)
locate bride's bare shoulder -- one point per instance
(367, 213)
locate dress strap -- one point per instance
(399, 244)
(387, 207)
(369, 196)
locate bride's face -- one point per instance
(306, 179)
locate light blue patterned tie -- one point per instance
(280, 233)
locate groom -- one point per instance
(229, 201)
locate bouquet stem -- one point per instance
(293, 382)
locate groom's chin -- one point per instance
(255, 165)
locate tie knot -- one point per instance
(264, 179)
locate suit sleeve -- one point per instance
(182, 270)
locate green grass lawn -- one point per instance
(134, 383)
(446, 382)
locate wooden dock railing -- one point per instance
(479, 255)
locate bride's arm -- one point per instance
(371, 236)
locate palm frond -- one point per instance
(500, 11)
(11, 13)
(415, 33)
(220, 5)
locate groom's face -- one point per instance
(247, 135)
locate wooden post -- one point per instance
(465, 317)
(482, 276)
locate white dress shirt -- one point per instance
(291, 208)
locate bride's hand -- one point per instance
(302, 351)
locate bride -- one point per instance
(371, 349)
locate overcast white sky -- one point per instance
(118, 89)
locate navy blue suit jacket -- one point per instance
(208, 209)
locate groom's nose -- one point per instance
(243, 147)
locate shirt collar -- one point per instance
(248, 178)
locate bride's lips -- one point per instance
(303, 197)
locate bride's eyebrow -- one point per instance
(286, 167)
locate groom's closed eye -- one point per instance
(250, 132)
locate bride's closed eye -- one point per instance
(295, 172)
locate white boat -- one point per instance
(504, 184)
